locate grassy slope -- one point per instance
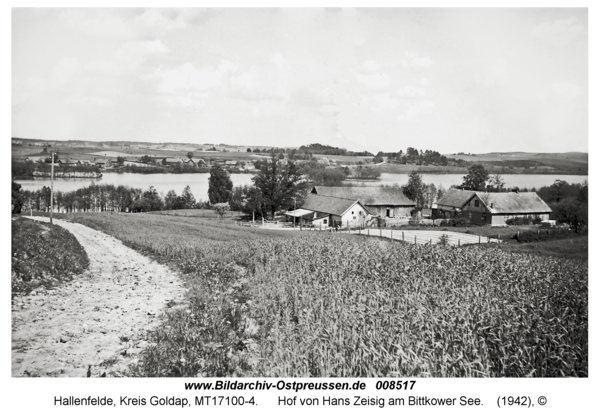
(43, 255)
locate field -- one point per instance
(268, 303)
(43, 255)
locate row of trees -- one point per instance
(105, 197)
(323, 149)
(414, 157)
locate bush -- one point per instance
(535, 219)
(444, 239)
(453, 222)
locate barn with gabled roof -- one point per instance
(492, 208)
(385, 201)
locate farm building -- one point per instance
(36, 159)
(328, 211)
(102, 163)
(84, 162)
(196, 162)
(134, 162)
(67, 162)
(381, 201)
(172, 161)
(490, 208)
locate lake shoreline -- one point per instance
(163, 183)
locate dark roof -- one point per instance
(368, 195)
(455, 198)
(329, 205)
(100, 161)
(513, 202)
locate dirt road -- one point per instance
(99, 319)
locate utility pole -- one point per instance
(294, 212)
(52, 188)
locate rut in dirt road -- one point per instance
(99, 319)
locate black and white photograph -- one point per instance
(300, 199)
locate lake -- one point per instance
(198, 182)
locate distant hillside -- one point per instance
(570, 162)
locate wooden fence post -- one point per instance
(415, 239)
(459, 243)
(368, 231)
(402, 235)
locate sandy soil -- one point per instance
(97, 322)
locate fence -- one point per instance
(408, 236)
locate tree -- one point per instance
(151, 200)
(17, 198)
(573, 209)
(219, 185)
(415, 189)
(187, 198)
(120, 160)
(440, 192)
(170, 199)
(249, 150)
(190, 155)
(476, 179)
(430, 194)
(221, 208)
(146, 159)
(238, 198)
(254, 202)
(279, 184)
(496, 183)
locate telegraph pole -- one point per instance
(294, 212)
(52, 188)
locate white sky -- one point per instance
(471, 80)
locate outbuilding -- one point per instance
(492, 208)
(330, 212)
(384, 201)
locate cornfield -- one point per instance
(325, 306)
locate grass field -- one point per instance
(274, 303)
(43, 255)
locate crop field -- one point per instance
(43, 255)
(267, 303)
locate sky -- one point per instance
(451, 80)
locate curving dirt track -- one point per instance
(97, 322)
